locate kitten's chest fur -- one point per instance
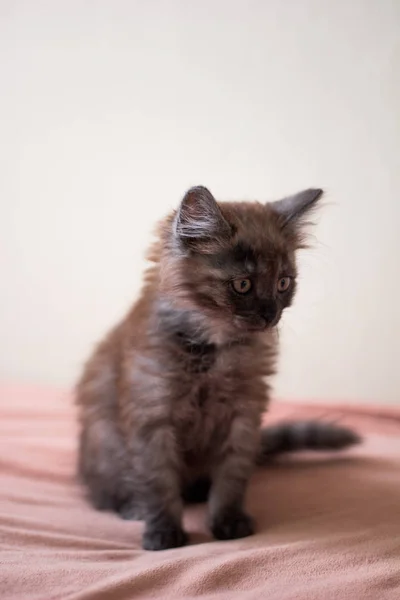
(214, 384)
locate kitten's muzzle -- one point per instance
(267, 317)
(268, 310)
(251, 323)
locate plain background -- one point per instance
(111, 109)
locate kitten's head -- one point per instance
(235, 261)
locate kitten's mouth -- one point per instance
(253, 323)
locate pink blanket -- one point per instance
(328, 526)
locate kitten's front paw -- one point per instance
(163, 537)
(232, 524)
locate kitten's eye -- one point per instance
(284, 284)
(241, 286)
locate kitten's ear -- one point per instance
(294, 208)
(199, 218)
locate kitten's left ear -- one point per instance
(294, 208)
(199, 221)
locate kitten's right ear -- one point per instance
(294, 213)
(199, 219)
(293, 209)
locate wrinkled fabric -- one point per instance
(328, 526)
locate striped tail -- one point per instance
(304, 435)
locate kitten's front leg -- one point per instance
(158, 482)
(228, 520)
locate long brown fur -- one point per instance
(170, 403)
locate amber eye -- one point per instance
(241, 286)
(284, 284)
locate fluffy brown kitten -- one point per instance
(171, 401)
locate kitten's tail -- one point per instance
(304, 435)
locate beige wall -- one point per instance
(109, 110)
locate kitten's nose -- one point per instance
(269, 312)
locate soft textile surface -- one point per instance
(328, 527)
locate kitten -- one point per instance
(171, 401)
